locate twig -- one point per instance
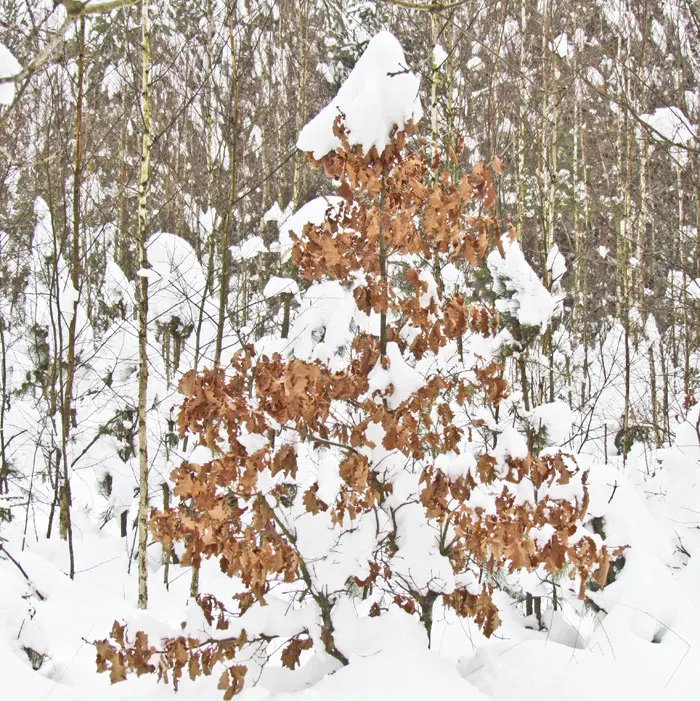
(23, 571)
(324, 441)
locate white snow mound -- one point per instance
(379, 93)
(671, 124)
(9, 66)
(524, 295)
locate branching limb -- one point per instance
(321, 599)
(74, 11)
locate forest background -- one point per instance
(149, 175)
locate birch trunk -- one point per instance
(301, 106)
(643, 224)
(227, 222)
(521, 115)
(580, 206)
(142, 296)
(547, 175)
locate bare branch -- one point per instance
(22, 570)
(74, 11)
(426, 7)
(629, 108)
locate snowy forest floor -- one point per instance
(647, 645)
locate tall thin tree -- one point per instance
(142, 291)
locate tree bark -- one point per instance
(65, 524)
(227, 222)
(142, 293)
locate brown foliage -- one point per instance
(227, 509)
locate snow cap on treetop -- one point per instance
(379, 93)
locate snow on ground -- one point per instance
(538, 669)
(643, 643)
(639, 638)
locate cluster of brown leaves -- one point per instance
(387, 203)
(117, 655)
(504, 540)
(393, 205)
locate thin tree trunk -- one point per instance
(120, 244)
(522, 111)
(66, 526)
(684, 260)
(654, 400)
(624, 289)
(622, 250)
(434, 84)
(228, 215)
(581, 229)
(665, 413)
(643, 221)
(4, 466)
(209, 126)
(301, 104)
(168, 552)
(143, 190)
(383, 275)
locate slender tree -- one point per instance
(142, 291)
